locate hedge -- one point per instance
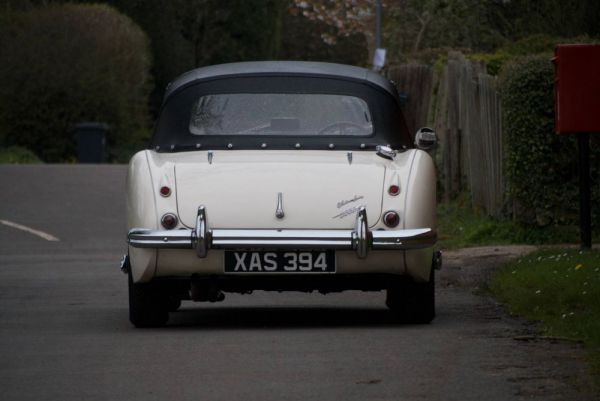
(65, 64)
(18, 155)
(542, 171)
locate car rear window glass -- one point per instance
(294, 114)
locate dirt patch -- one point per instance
(473, 267)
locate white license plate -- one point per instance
(279, 262)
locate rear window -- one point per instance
(294, 114)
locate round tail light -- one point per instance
(169, 221)
(391, 219)
(165, 191)
(394, 190)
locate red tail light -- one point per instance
(169, 221)
(165, 191)
(394, 190)
(391, 219)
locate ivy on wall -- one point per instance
(541, 167)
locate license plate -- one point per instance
(279, 262)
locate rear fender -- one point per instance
(420, 211)
(141, 212)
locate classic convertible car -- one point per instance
(281, 176)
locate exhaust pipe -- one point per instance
(206, 290)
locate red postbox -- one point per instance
(577, 111)
(577, 88)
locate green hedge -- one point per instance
(65, 64)
(541, 166)
(17, 155)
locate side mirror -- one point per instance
(425, 139)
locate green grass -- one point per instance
(17, 155)
(460, 226)
(560, 288)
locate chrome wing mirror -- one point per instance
(425, 139)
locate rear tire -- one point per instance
(413, 302)
(147, 306)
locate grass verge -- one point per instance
(460, 226)
(560, 288)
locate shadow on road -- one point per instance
(277, 317)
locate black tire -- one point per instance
(147, 306)
(413, 302)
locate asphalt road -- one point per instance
(65, 334)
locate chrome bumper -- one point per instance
(361, 239)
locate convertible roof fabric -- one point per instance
(281, 68)
(172, 131)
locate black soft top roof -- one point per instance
(172, 130)
(279, 68)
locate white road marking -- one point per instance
(46, 236)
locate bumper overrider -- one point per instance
(361, 239)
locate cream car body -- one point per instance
(260, 199)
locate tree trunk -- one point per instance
(424, 23)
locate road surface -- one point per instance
(65, 334)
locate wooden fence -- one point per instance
(415, 81)
(466, 114)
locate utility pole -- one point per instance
(379, 53)
(377, 24)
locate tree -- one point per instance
(410, 25)
(563, 18)
(414, 25)
(347, 17)
(306, 39)
(64, 64)
(186, 34)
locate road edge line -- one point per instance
(44, 235)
